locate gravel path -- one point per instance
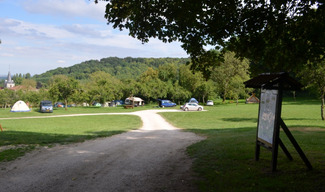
(148, 159)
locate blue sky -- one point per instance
(40, 35)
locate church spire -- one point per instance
(9, 83)
(9, 77)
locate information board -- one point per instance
(266, 120)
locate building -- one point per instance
(9, 83)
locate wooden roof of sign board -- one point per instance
(274, 81)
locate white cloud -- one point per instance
(61, 61)
(83, 30)
(35, 46)
(7, 54)
(66, 8)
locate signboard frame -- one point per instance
(269, 115)
(268, 123)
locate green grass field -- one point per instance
(25, 134)
(225, 161)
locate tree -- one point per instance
(29, 84)
(151, 86)
(17, 78)
(7, 97)
(314, 77)
(104, 87)
(280, 34)
(62, 88)
(205, 90)
(167, 72)
(28, 76)
(230, 75)
(177, 93)
(33, 97)
(130, 88)
(188, 79)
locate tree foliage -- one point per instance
(230, 75)
(282, 35)
(62, 88)
(103, 87)
(314, 77)
(121, 68)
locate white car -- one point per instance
(209, 103)
(192, 107)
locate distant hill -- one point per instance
(122, 68)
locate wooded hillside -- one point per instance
(121, 68)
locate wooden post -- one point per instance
(276, 133)
(296, 145)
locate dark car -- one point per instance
(46, 107)
(166, 103)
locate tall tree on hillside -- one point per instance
(230, 74)
(62, 88)
(283, 35)
(314, 78)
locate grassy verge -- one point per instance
(225, 160)
(24, 134)
(5, 113)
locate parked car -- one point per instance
(209, 103)
(192, 107)
(59, 104)
(166, 103)
(46, 107)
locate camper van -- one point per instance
(46, 107)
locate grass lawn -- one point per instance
(25, 134)
(5, 113)
(225, 160)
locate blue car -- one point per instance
(166, 103)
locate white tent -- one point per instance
(20, 106)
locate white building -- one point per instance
(9, 83)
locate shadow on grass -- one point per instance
(237, 119)
(18, 137)
(22, 142)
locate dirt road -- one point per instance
(149, 159)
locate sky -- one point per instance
(40, 35)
